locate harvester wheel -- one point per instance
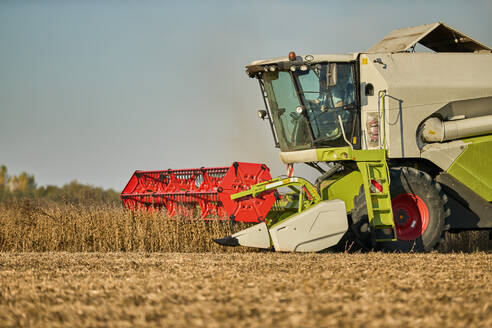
(419, 210)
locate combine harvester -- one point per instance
(402, 141)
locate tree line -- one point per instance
(23, 186)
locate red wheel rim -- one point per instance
(411, 216)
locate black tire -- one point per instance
(408, 181)
(359, 228)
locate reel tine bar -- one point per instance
(184, 191)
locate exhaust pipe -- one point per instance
(435, 130)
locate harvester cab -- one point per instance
(401, 140)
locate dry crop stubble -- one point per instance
(28, 226)
(31, 227)
(245, 290)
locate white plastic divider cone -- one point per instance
(255, 236)
(313, 230)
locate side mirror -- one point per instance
(262, 114)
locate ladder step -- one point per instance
(379, 194)
(381, 180)
(383, 226)
(375, 164)
(388, 239)
(381, 210)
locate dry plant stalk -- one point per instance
(28, 226)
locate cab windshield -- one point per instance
(308, 103)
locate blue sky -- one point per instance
(92, 90)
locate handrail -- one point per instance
(382, 116)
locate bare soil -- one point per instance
(245, 290)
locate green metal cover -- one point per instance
(347, 153)
(343, 186)
(473, 166)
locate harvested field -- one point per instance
(245, 290)
(99, 266)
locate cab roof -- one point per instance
(258, 65)
(436, 36)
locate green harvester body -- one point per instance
(402, 139)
